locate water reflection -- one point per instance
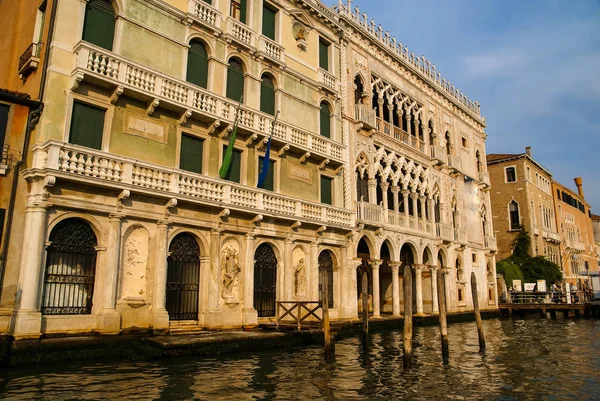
(524, 359)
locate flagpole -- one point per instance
(265, 166)
(224, 170)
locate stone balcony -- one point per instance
(108, 69)
(551, 236)
(454, 163)
(327, 81)
(240, 33)
(268, 49)
(29, 60)
(92, 167)
(460, 235)
(577, 246)
(203, 13)
(365, 115)
(484, 179)
(4, 159)
(490, 243)
(439, 155)
(398, 134)
(376, 216)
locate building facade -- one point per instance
(23, 50)
(420, 186)
(574, 217)
(522, 197)
(129, 226)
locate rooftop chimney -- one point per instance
(579, 183)
(528, 150)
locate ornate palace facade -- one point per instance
(374, 162)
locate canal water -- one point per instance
(531, 359)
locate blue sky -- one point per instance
(533, 65)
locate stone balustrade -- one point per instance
(327, 80)
(460, 235)
(454, 162)
(364, 114)
(399, 135)
(578, 246)
(94, 167)
(490, 243)
(439, 154)
(484, 178)
(105, 65)
(240, 33)
(205, 13)
(271, 50)
(423, 67)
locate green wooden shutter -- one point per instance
(87, 125)
(4, 109)
(235, 167)
(269, 183)
(267, 96)
(323, 55)
(243, 6)
(325, 120)
(99, 23)
(326, 190)
(235, 80)
(268, 22)
(197, 65)
(190, 157)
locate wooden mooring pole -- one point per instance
(328, 343)
(365, 303)
(441, 290)
(407, 282)
(476, 310)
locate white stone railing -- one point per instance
(270, 49)
(460, 235)
(398, 134)
(239, 32)
(327, 80)
(420, 65)
(369, 212)
(108, 66)
(204, 12)
(444, 231)
(365, 115)
(576, 245)
(96, 167)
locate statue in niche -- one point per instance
(300, 277)
(231, 272)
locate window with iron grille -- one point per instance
(70, 269)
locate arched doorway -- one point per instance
(183, 278)
(265, 280)
(385, 279)
(326, 276)
(70, 269)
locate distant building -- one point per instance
(522, 197)
(574, 218)
(596, 228)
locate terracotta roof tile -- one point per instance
(492, 157)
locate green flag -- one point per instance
(229, 152)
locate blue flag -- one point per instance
(264, 168)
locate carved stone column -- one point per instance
(28, 319)
(249, 314)
(423, 211)
(395, 190)
(160, 317)
(431, 208)
(313, 272)
(419, 288)
(288, 276)
(434, 294)
(390, 107)
(109, 319)
(405, 195)
(380, 108)
(384, 188)
(450, 289)
(353, 264)
(395, 288)
(414, 197)
(375, 264)
(372, 184)
(213, 313)
(408, 127)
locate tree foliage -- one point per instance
(509, 271)
(539, 268)
(522, 245)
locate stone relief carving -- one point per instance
(230, 267)
(300, 271)
(135, 260)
